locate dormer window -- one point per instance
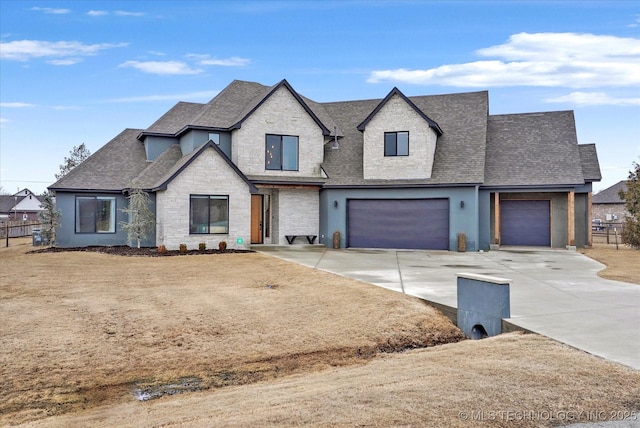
(396, 143)
(281, 152)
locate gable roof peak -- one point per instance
(398, 92)
(283, 83)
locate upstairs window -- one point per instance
(281, 152)
(209, 214)
(396, 143)
(215, 137)
(95, 214)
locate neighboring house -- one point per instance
(24, 206)
(607, 206)
(260, 165)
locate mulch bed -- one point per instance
(124, 250)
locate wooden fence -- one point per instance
(17, 229)
(608, 232)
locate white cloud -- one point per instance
(63, 108)
(24, 50)
(116, 13)
(594, 98)
(206, 59)
(202, 95)
(68, 61)
(543, 59)
(126, 13)
(229, 62)
(51, 10)
(17, 105)
(162, 67)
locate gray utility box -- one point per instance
(37, 237)
(483, 301)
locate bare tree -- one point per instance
(141, 219)
(76, 156)
(631, 197)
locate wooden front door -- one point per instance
(256, 219)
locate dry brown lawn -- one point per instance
(623, 262)
(266, 342)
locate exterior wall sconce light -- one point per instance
(335, 145)
(335, 204)
(461, 204)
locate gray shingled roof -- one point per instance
(533, 149)
(160, 169)
(459, 157)
(175, 119)
(230, 105)
(610, 194)
(112, 168)
(7, 202)
(590, 164)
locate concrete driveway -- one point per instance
(555, 293)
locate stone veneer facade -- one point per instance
(280, 114)
(397, 116)
(296, 214)
(208, 174)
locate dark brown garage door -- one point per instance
(525, 223)
(398, 223)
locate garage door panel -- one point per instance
(525, 222)
(412, 223)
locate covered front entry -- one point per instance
(398, 223)
(525, 222)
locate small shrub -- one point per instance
(162, 249)
(202, 246)
(183, 248)
(222, 245)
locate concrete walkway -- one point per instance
(556, 293)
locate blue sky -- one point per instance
(74, 72)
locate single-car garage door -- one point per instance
(525, 223)
(398, 223)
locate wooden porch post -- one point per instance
(496, 219)
(589, 220)
(571, 218)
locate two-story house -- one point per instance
(261, 165)
(24, 206)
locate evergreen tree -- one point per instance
(49, 217)
(76, 156)
(631, 197)
(141, 219)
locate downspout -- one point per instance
(477, 216)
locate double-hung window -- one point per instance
(209, 214)
(95, 214)
(281, 152)
(396, 143)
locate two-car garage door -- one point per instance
(398, 223)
